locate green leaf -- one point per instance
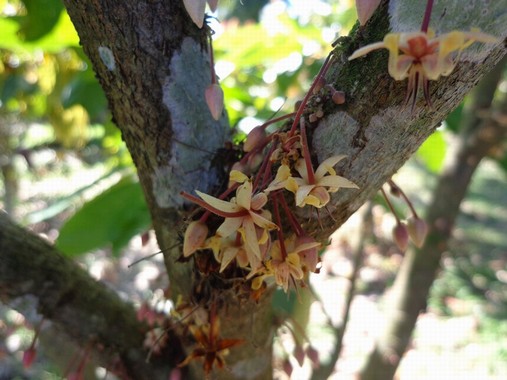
(60, 36)
(432, 152)
(8, 31)
(112, 218)
(284, 303)
(453, 120)
(41, 18)
(88, 93)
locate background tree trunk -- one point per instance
(153, 64)
(483, 130)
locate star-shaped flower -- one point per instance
(317, 193)
(424, 56)
(210, 347)
(243, 214)
(287, 263)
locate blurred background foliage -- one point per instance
(67, 174)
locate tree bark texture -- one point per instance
(33, 272)
(420, 266)
(153, 64)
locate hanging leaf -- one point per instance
(110, 219)
(41, 17)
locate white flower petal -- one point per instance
(250, 236)
(301, 169)
(302, 193)
(262, 222)
(218, 203)
(244, 195)
(327, 165)
(337, 182)
(229, 226)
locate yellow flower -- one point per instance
(283, 180)
(307, 193)
(316, 194)
(243, 214)
(285, 264)
(423, 56)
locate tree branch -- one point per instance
(374, 128)
(81, 307)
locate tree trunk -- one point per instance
(419, 268)
(153, 64)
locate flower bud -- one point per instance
(213, 4)
(400, 236)
(313, 355)
(299, 354)
(239, 167)
(287, 367)
(365, 9)
(195, 9)
(417, 229)
(254, 138)
(321, 82)
(338, 97)
(195, 235)
(313, 118)
(28, 357)
(309, 257)
(254, 161)
(215, 99)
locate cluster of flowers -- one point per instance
(245, 237)
(251, 235)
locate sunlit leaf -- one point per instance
(60, 36)
(111, 219)
(8, 31)
(432, 152)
